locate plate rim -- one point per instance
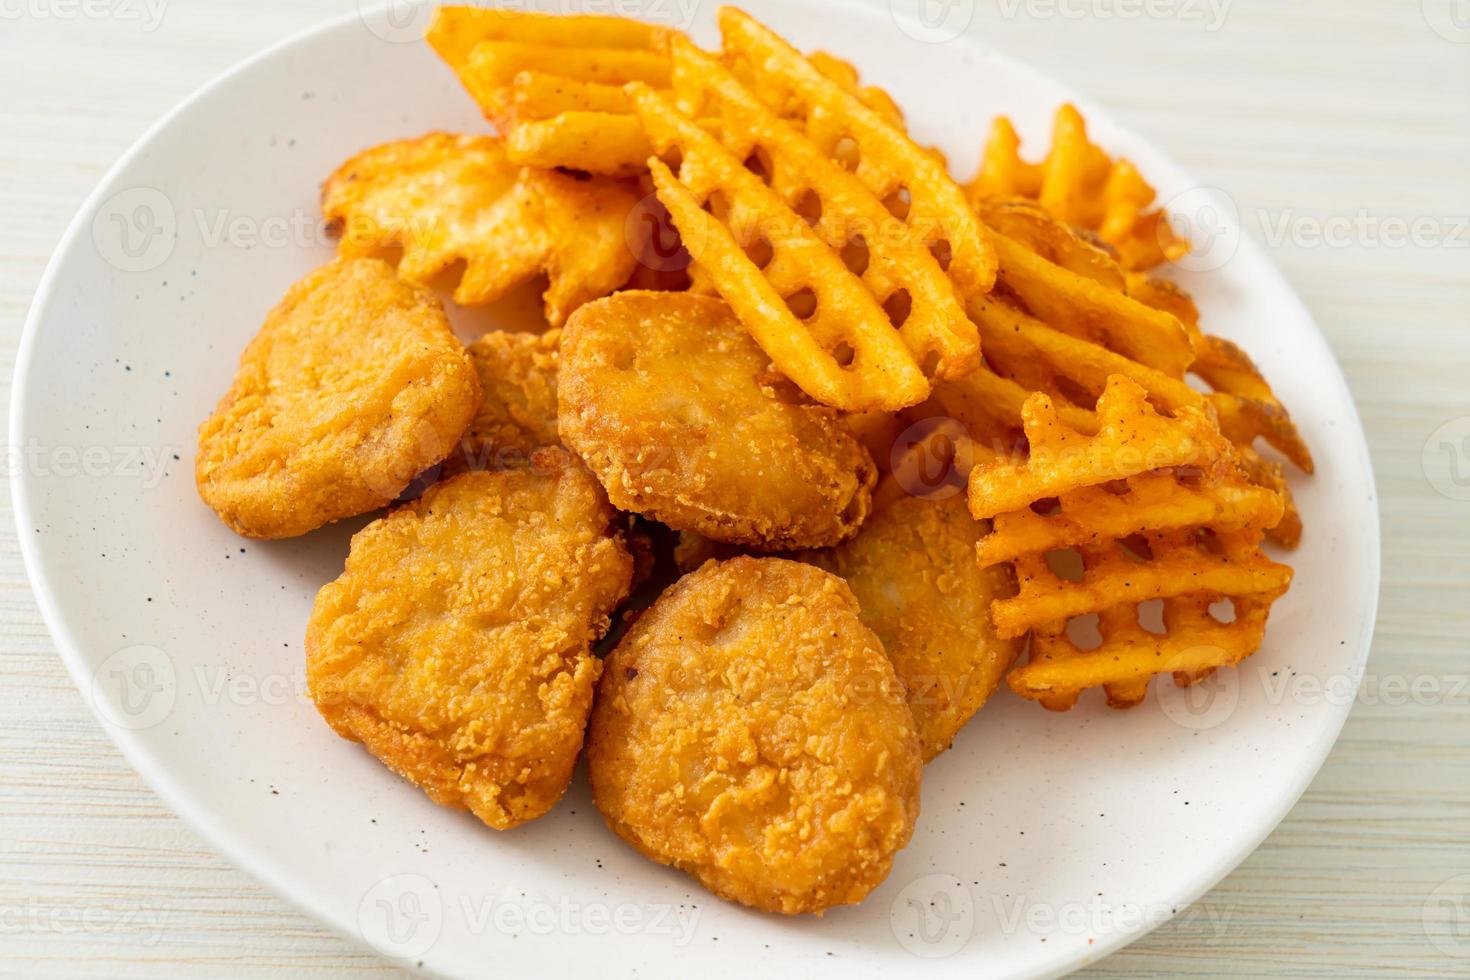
(171, 789)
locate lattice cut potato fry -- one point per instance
(1192, 645)
(815, 319)
(1155, 501)
(1082, 185)
(1247, 406)
(446, 199)
(880, 153)
(1153, 565)
(897, 269)
(1039, 358)
(1082, 305)
(457, 30)
(553, 84)
(1132, 438)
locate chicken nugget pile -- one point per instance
(763, 537)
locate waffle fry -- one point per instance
(881, 155)
(817, 321)
(1247, 407)
(1194, 644)
(1027, 351)
(1132, 438)
(445, 199)
(1155, 508)
(553, 85)
(1149, 502)
(842, 209)
(1081, 185)
(1185, 562)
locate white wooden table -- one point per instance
(1341, 127)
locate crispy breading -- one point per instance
(517, 416)
(678, 412)
(354, 386)
(913, 570)
(446, 199)
(456, 645)
(750, 731)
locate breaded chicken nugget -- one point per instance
(517, 373)
(750, 731)
(913, 570)
(456, 645)
(354, 386)
(682, 418)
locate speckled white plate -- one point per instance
(1045, 841)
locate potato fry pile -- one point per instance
(766, 535)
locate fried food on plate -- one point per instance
(553, 84)
(446, 199)
(900, 266)
(1151, 508)
(679, 414)
(1084, 187)
(913, 570)
(354, 386)
(517, 415)
(750, 731)
(456, 645)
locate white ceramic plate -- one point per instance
(1046, 840)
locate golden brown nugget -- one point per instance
(517, 373)
(456, 646)
(913, 570)
(680, 415)
(354, 386)
(750, 731)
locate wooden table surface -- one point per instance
(1341, 128)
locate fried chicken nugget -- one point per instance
(750, 731)
(353, 387)
(456, 645)
(682, 418)
(517, 373)
(913, 570)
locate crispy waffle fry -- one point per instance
(457, 30)
(1082, 186)
(1155, 508)
(445, 199)
(1271, 476)
(817, 321)
(1151, 501)
(842, 210)
(1132, 438)
(1083, 306)
(1247, 407)
(1192, 645)
(552, 84)
(881, 155)
(1174, 563)
(1039, 358)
